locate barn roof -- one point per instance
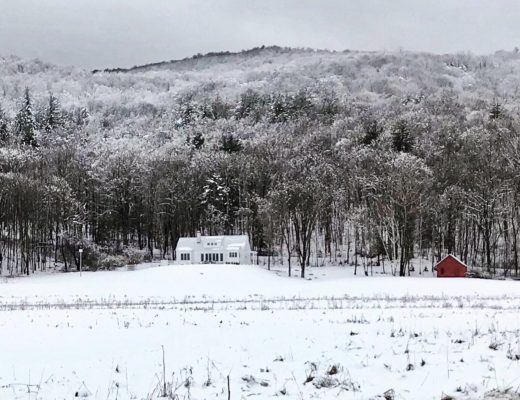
(455, 258)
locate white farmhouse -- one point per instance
(229, 249)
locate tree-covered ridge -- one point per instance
(372, 154)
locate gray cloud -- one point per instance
(101, 33)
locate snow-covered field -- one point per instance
(101, 335)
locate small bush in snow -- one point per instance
(135, 256)
(325, 382)
(111, 262)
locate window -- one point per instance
(221, 257)
(233, 254)
(201, 257)
(185, 256)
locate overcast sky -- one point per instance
(110, 33)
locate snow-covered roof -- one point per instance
(452, 256)
(213, 242)
(184, 248)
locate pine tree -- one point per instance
(81, 116)
(198, 140)
(372, 132)
(496, 111)
(24, 123)
(53, 116)
(4, 133)
(402, 138)
(230, 144)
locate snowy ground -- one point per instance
(100, 335)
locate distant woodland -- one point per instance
(359, 157)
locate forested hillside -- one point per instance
(375, 155)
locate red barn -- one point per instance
(451, 267)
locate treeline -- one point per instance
(310, 171)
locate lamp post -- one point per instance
(80, 261)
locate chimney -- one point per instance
(198, 236)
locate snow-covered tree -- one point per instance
(53, 117)
(25, 126)
(4, 129)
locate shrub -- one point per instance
(108, 262)
(135, 256)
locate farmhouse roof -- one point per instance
(224, 241)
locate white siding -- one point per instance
(214, 249)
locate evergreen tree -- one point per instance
(496, 111)
(24, 123)
(53, 115)
(372, 132)
(80, 116)
(402, 138)
(279, 109)
(198, 140)
(230, 144)
(4, 133)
